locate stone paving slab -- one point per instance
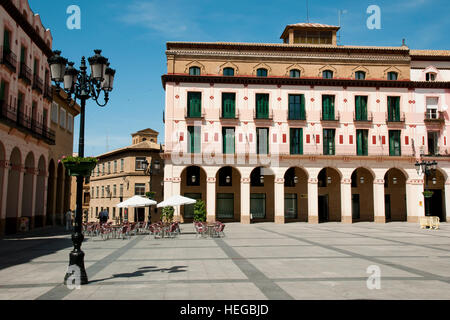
(257, 261)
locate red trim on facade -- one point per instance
(350, 139)
(383, 140)
(206, 136)
(284, 138)
(341, 139)
(308, 139)
(374, 140)
(181, 136)
(406, 140)
(216, 137)
(318, 139)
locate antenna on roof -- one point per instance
(340, 13)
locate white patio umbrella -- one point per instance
(176, 201)
(136, 202)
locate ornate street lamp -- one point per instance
(427, 168)
(80, 85)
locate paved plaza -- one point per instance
(258, 261)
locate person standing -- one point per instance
(69, 220)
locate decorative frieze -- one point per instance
(313, 181)
(415, 181)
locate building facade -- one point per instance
(120, 175)
(306, 130)
(30, 143)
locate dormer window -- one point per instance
(294, 73)
(261, 72)
(431, 76)
(327, 74)
(194, 71)
(229, 72)
(392, 76)
(360, 75)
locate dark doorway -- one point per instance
(355, 207)
(139, 215)
(435, 205)
(323, 208)
(387, 206)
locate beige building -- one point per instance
(120, 175)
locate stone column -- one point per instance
(346, 201)
(447, 200)
(415, 201)
(21, 170)
(34, 172)
(52, 205)
(379, 210)
(313, 201)
(245, 200)
(211, 199)
(3, 195)
(279, 200)
(176, 189)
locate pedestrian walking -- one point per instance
(69, 220)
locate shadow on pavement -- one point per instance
(23, 248)
(141, 271)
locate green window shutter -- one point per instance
(262, 106)
(194, 104)
(296, 143)
(397, 108)
(6, 41)
(228, 140)
(325, 107)
(364, 108)
(228, 105)
(328, 142)
(394, 143)
(2, 91)
(302, 107)
(362, 142)
(22, 54)
(358, 107)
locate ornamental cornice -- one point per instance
(176, 180)
(245, 180)
(346, 181)
(378, 181)
(279, 180)
(211, 180)
(306, 55)
(313, 181)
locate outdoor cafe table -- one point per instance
(116, 230)
(210, 229)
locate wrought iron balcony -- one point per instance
(391, 118)
(263, 116)
(334, 118)
(434, 116)
(17, 119)
(8, 58)
(368, 118)
(229, 116)
(38, 84)
(48, 93)
(25, 73)
(193, 115)
(296, 116)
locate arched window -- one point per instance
(194, 71)
(327, 74)
(228, 72)
(360, 75)
(294, 73)
(431, 76)
(261, 72)
(392, 75)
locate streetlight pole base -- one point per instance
(76, 273)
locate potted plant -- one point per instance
(167, 214)
(200, 211)
(150, 195)
(427, 193)
(79, 166)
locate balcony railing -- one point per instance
(335, 117)
(390, 118)
(25, 73)
(296, 116)
(38, 84)
(368, 118)
(48, 92)
(229, 116)
(22, 122)
(262, 116)
(8, 58)
(434, 116)
(193, 115)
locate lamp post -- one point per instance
(149, 167)
(79, 85)
(426, 168)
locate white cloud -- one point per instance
(165, 17)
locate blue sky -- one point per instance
(133, 33)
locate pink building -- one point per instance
(30, 142)
(306, 130)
